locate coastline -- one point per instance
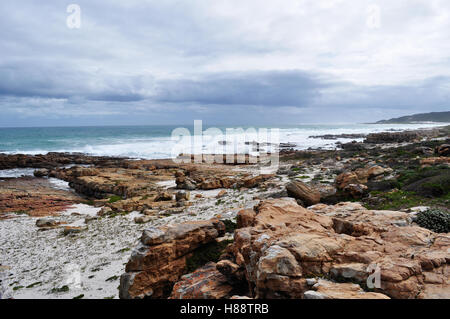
(119, 198)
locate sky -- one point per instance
(111, 62)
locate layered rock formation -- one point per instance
(212, 178)
(300, 191)
(160, 259)
(53, 159)
(353, 183)
(204, 283)
(34, 197)
(281, 245)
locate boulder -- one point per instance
(355, 190)
(46, 222)
(179, 196)
(303, 192)
(41, 172)
(443, 150)
(160, 259)
(69, 230)
(104, 211)
(163, 196)
(431, 161)
(204, 283)
(221, 194)
(143, 219)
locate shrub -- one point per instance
(114, 199)
(435, 220)
(230, 225)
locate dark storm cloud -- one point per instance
(37, 79)
(265, 88)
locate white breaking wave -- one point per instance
(165, 147)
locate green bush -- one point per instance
(435, 220)
(114, 199)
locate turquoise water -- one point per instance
(155, 141)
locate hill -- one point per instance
(441, 117)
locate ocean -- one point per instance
(154, 142)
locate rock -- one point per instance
(185, 183)
(104, 211)
(204, 283)
(256, 181)
(377, 170)
(163, 196)
(90, 218)
(354, 183)
(431, 161)
(50, 160)
(424, 150)
(233, 273)
(143, 219)
(149, 212)
(46, 222)
(160, 259)
(325, 289)
(311, 294)
(68, 230)
(183, 196)
(221, 194)
(311, 282)
(303, 192)
(245, 218)
(284, 244)
(210, 184)
(355, 190)
(41, 172)
(392, 137)
(347, 178)
(443, 150)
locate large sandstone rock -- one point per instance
(160, 259)
(282, 244)
(303, 192)
(443, 150)
(325, 289)
(353, 183)
(204, 283)
(434, 161)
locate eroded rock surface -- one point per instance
(204, 283)
(282, 244)
(160, 259)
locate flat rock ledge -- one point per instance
(160, 258)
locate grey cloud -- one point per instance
(268, 88)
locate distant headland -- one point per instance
(440, 117)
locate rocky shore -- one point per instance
(368, 220)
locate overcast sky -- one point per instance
(222, 61)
